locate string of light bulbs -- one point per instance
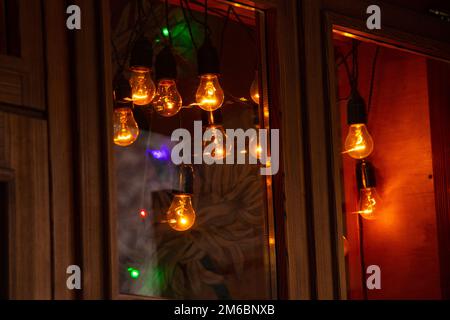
(140, 91)
(359, 144)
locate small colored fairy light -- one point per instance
(143, 213)
(162, 154)
(134, 273)
(165, 32)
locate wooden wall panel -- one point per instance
(22, 78)
(25, 153)
(61, 147)
(90, 158)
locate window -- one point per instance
(228, 253)
(388, 170)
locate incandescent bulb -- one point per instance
(168, 100)
(368, 202)
(142, 86)
(209, 94)
(254, 89)
(217, 147)
(126, 129)
(181, 214)
(359, 143)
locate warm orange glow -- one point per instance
(181, 214)
(126, 129)
(368, 203)
(346, 245)
(142, 86)
(167, 101)
(345, 34)
(254, 89)
(359, 142)
(210, 95)
(258, 151)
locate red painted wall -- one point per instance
(403, 240)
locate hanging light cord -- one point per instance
(372, 80)
(167, 20)
(183, 9)
(355, 69)
(206, 18)
(362, 257)
(225, 23)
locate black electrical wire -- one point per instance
(188, 6)
(225, 23)
(238, 18)
(347, 70)
(355, 70)
(140, 9)
(372, 80)
(206, 17)
(137, 30)
(183, 9)
(362, 257)
(166, 3)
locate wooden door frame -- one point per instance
(398, 34)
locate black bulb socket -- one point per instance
(356, 109)
(365, 175)
(142, 54)
(122, 93)
(208, 58)
(165, 64)
(185, 182)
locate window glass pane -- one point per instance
(387, 169)
(226, 254)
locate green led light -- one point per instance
(134, 273)
(165, 32)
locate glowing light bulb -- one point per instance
(181, 214)
(142, 86)
(368, 203)
(168, 100)
(254, 89)
(359, 143)
(209, 94)
(126, 130)
(217, 145)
